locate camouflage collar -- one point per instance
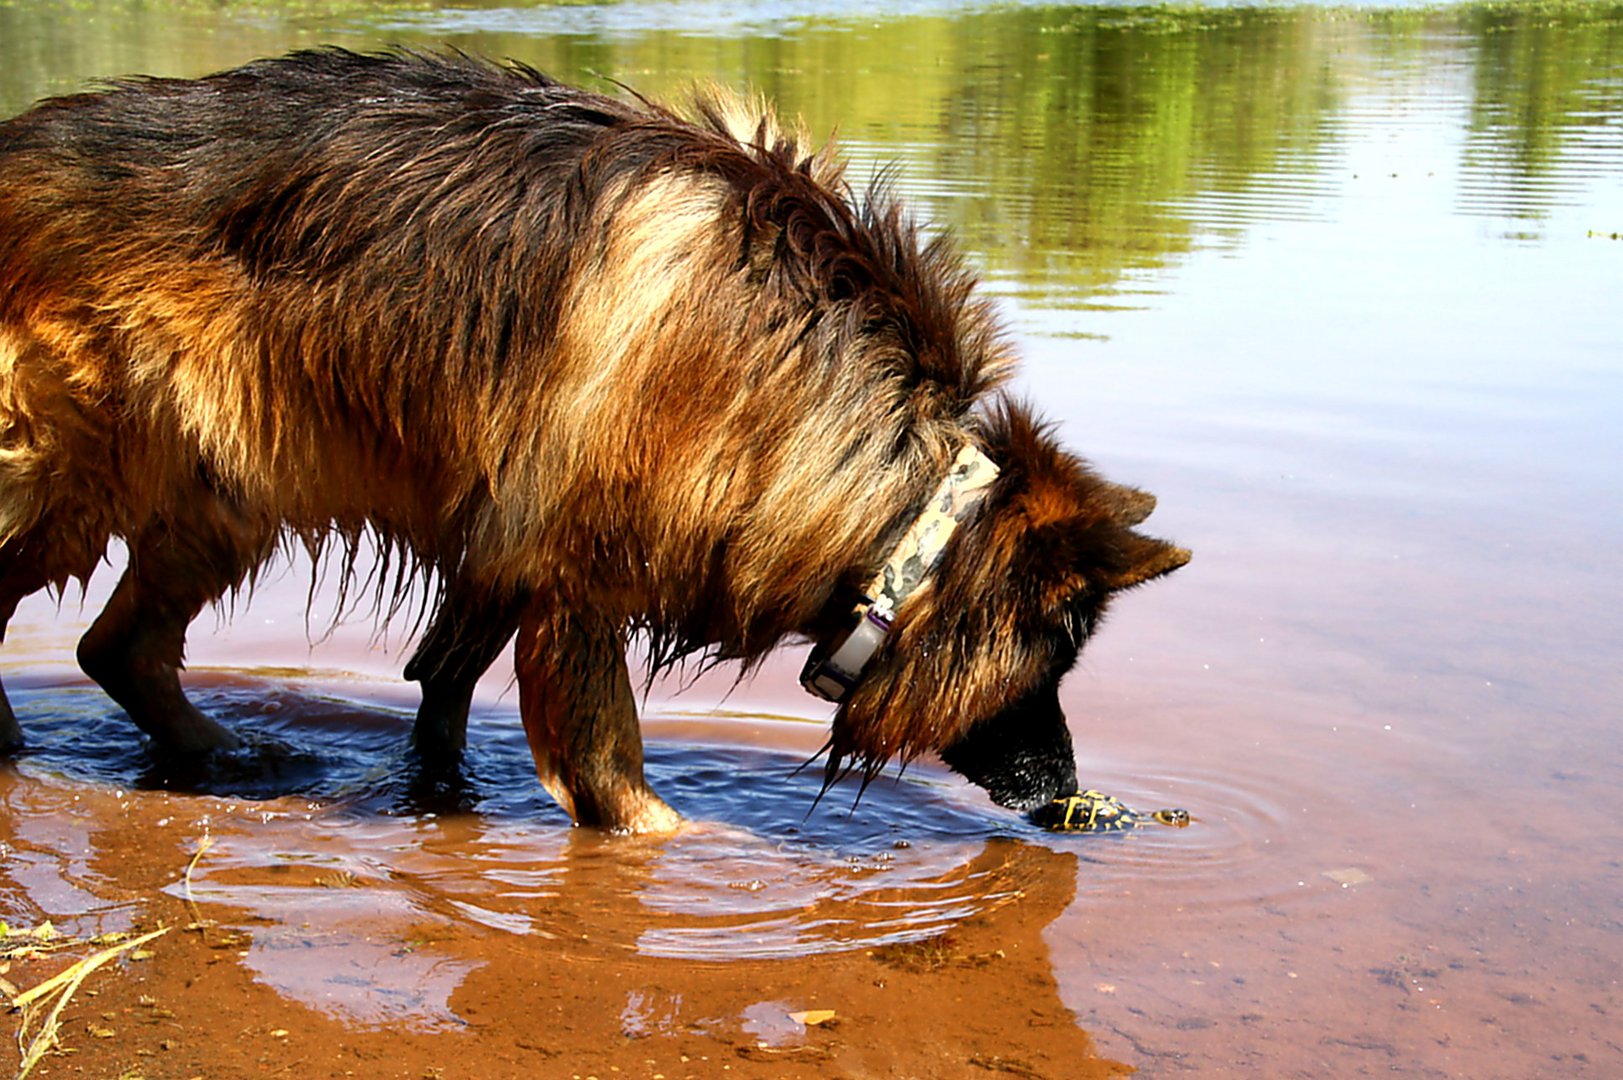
(835, 667)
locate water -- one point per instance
(1340, 285)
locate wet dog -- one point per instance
(606, 370)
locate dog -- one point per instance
(601, 369)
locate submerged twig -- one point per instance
(191, 904)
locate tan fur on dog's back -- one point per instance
(660, 368)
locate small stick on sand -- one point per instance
(68, 982)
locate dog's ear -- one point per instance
(1141, 558)
(1093, 556)
(1097, 557)
(1128, 505)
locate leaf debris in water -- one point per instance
(812, 1017)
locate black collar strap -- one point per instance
(835, 667)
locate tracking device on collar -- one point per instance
(835, 667)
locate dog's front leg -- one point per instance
(575, 696)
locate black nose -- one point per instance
(1022, 756)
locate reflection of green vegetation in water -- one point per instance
(1092, 128)
(1068, 146)
(1546, 70)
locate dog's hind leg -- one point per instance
(58, 498)
(22, 573)
(136, 647)
(19, 577)
(11, 732)
(42, 556)
(580, 716)
(470, 627)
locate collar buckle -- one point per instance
(836, 666)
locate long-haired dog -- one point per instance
(604, 369)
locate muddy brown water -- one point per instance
(1341, 286)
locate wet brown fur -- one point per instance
(605, 369)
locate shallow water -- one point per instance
(1340, 286)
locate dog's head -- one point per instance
(973, 665)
